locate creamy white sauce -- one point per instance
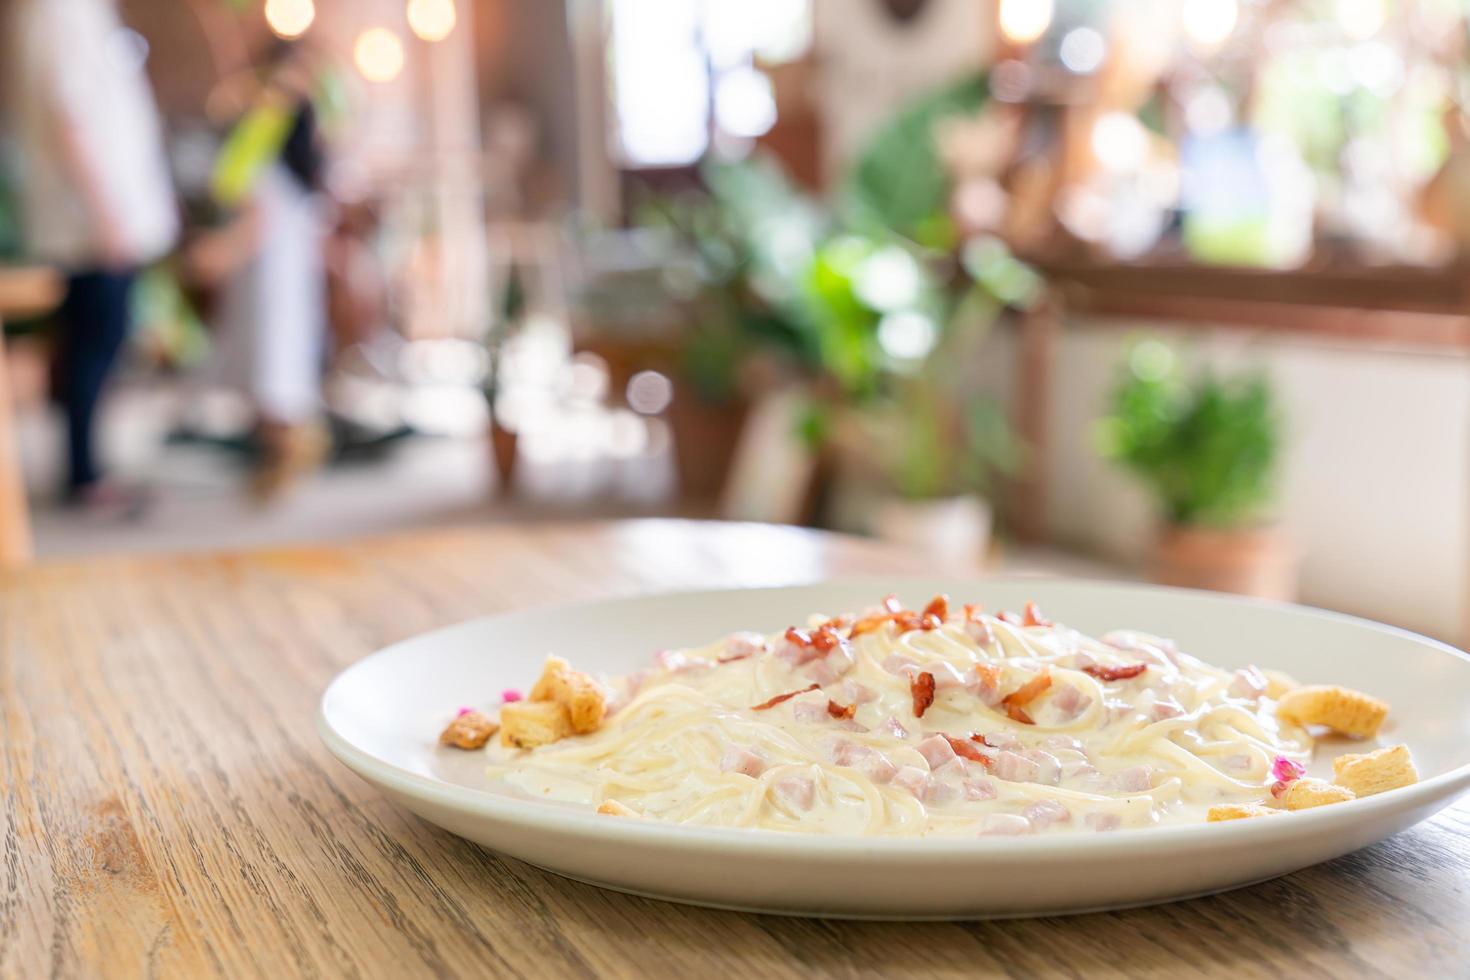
(684, 744)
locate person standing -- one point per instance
(96, 196)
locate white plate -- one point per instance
(381, 717)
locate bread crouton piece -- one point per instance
(1239, 811)
(1341, 709)
(1375, 772)
(471, 730)
(613, 808)
(527, 724)
(1303, 794)
(585, 701)
(1278, 683)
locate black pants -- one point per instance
(94, 323)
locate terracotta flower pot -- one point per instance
(705, 435)
(1249, 561)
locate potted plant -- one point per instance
(917, 442)
(1208, 449)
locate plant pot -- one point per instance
(953, 531)
(1249, 561)
(503, 447)
(705, 436)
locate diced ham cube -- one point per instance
(796, 792)
(1048, 767)
(1004, 824)
(742, 760)
(1134, 779)
(936, 751)
(1103, 821)
(855, 693)
(827, 669)
(744, 644)
(938, 792)
(978, 788)
(895, 728)
(1044, 813)
(1248, 683)
(913, 779)
(1003, 740)
(979, 631)
(1014, 768)
(1070, 702)
(810, 712)
(1055, 742)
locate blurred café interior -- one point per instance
(1148, 289)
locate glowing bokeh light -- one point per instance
(378, 54)
(1023, 21)
(289, 18)
(431, 20)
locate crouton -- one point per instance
(1303, 794)
(1239, 811)
(527, 724)
(1375, 772)
(583, 697)
(615, 809)
(1339, 708)
(1278, 683)
(471, 730)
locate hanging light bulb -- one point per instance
(431, 20)
(289, 18)
(1023, 21)
(378, 54)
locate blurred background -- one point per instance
(1166, 289)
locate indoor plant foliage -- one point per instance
(1207, 448)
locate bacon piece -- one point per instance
(1006, 616)
(965, 748)
(1031, 616)
(1114, 673)
(938, 606)
(840, 710)
(782, 697)
(891, 603)
(907, 621)
(1017, 713)
(823, 639)
(868, 624)
(1029, 691)
(921, 686)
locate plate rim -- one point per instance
(548, 817)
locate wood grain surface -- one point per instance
(169, 811)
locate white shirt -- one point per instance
(74, 66)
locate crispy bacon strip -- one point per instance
(840, 710)
(1006, 616)
(1031, 616)
(1017, 713)
(1115, 673)
(922, 689)
(908, 621)
(965, 748)
(988, 674)
(824, 638)
(1029, 691)
(782, 697)
(868, 624)
(938, 606)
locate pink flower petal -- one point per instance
(1286, 770)
(510, 694)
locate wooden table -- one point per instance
(169, 810)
